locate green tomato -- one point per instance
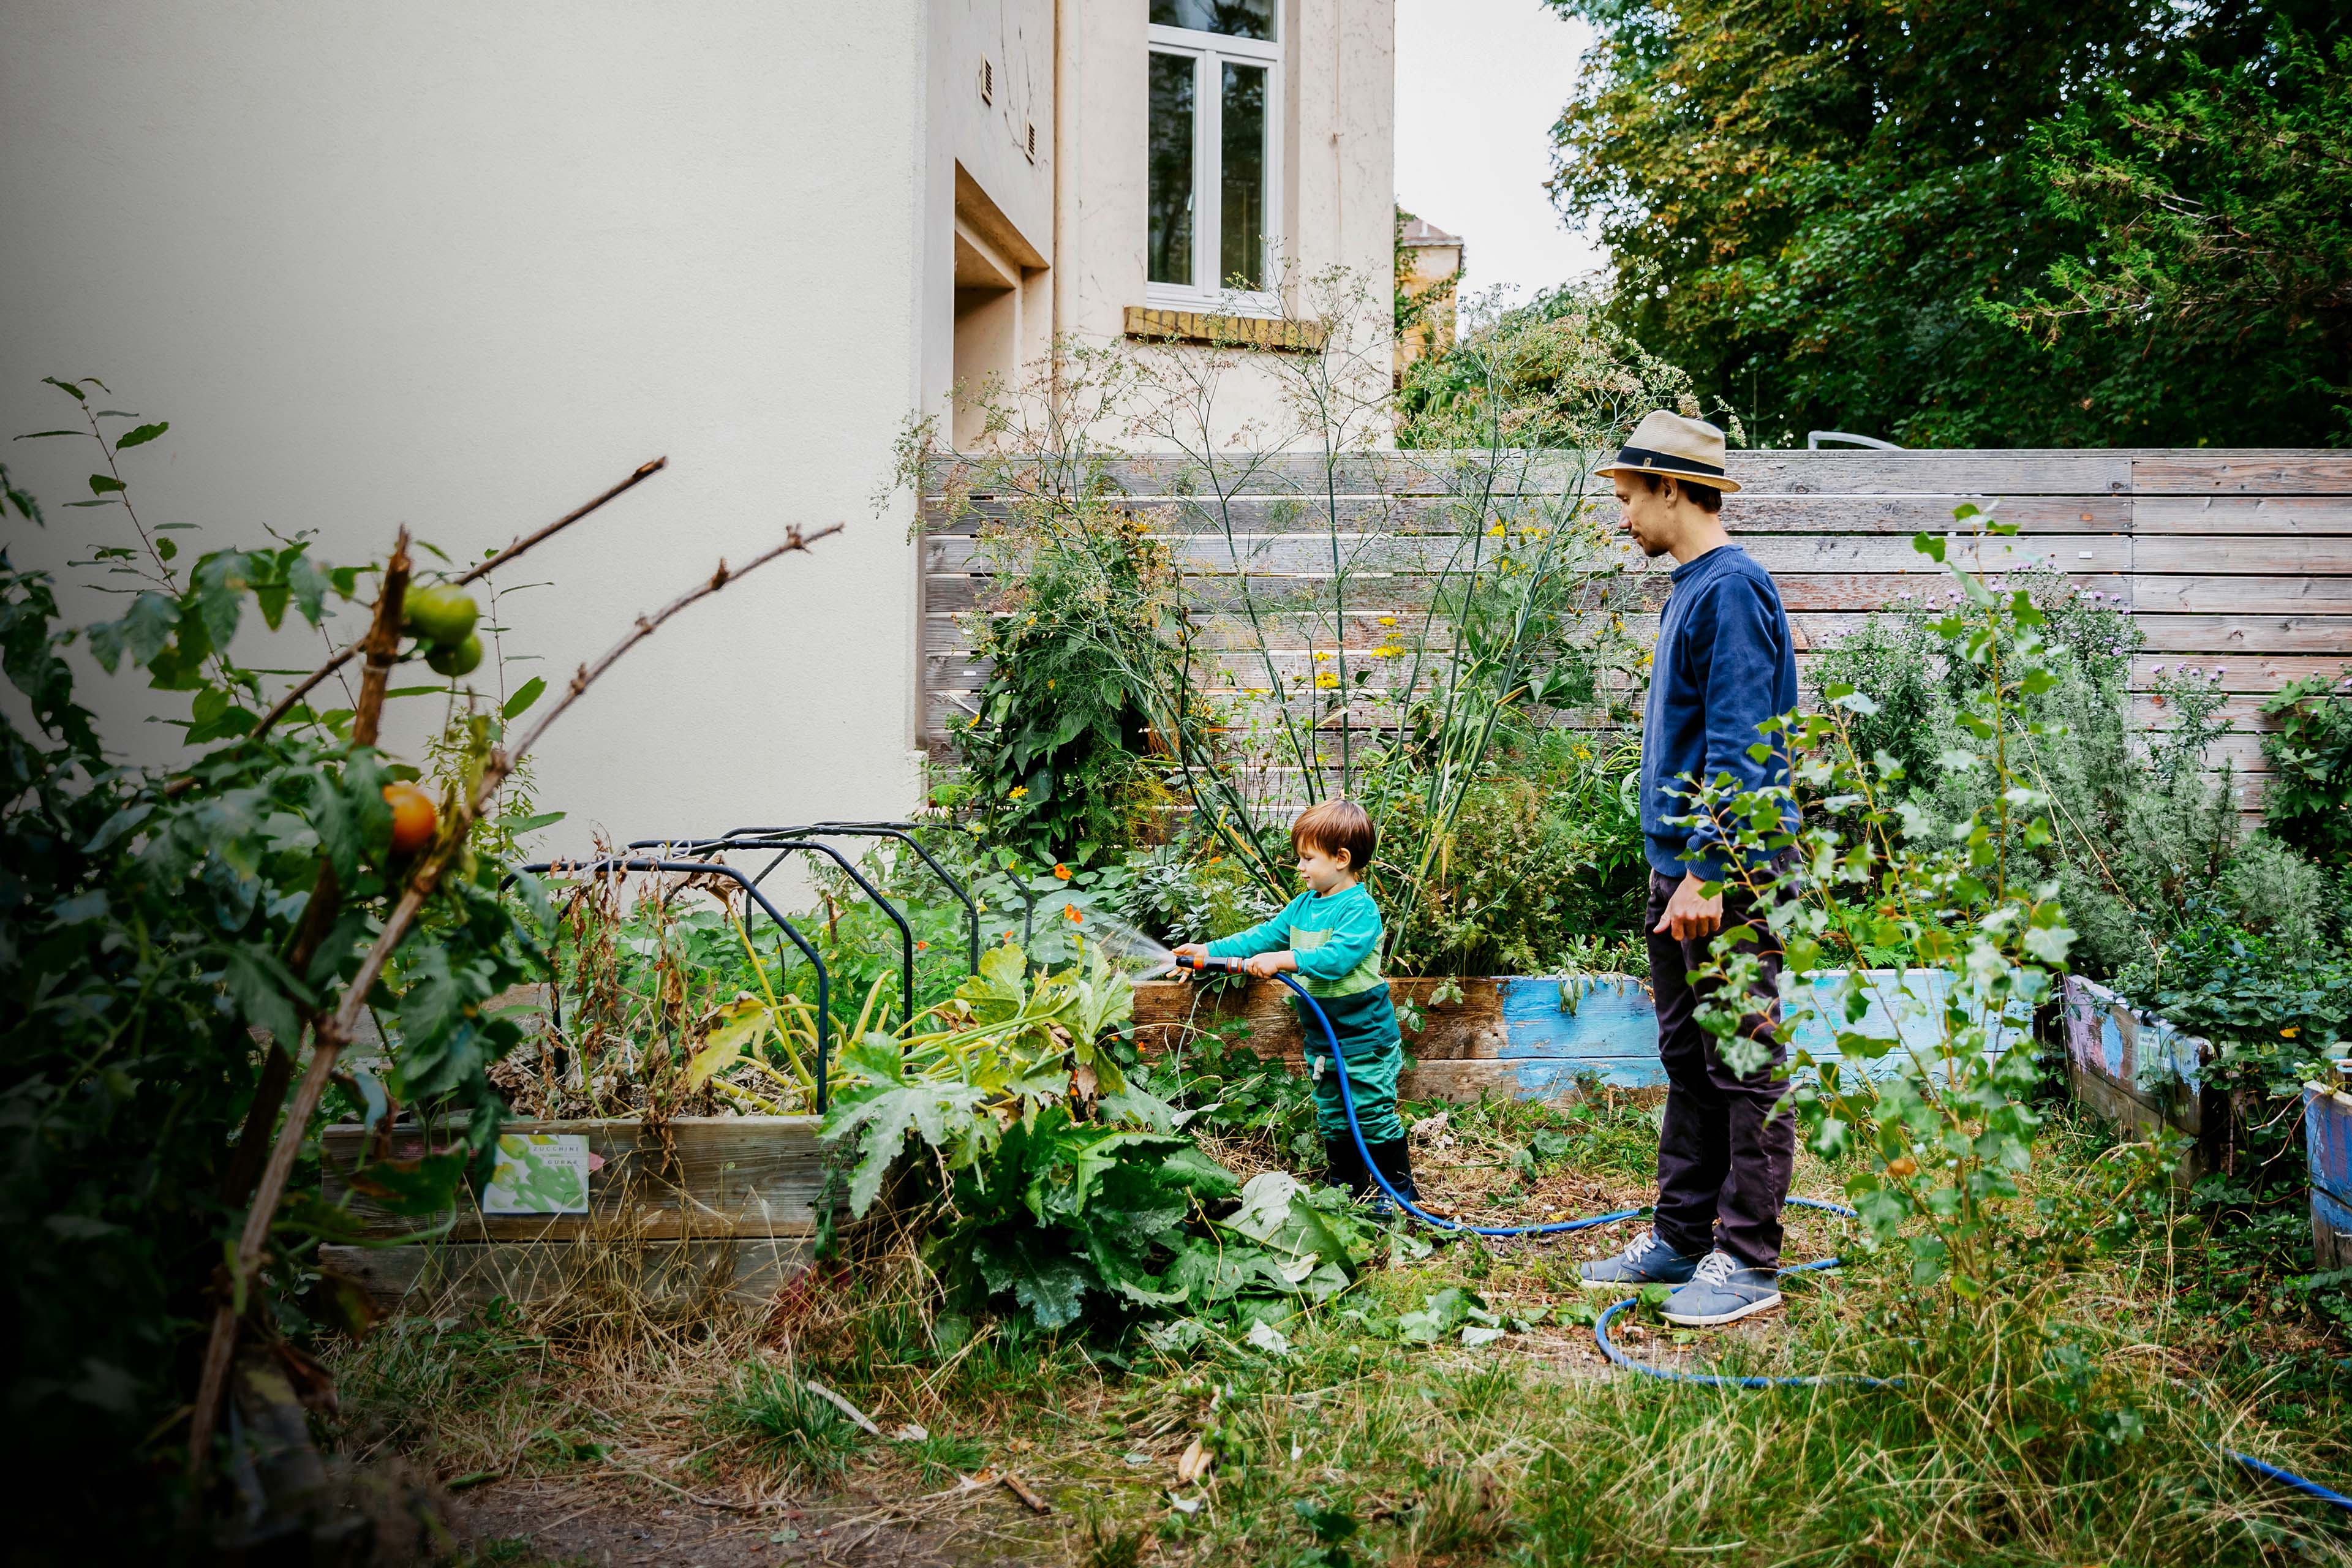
(441, 615)
(460, 660)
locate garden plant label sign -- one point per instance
(539, 1172)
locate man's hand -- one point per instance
(1266, 965)
(1689, 917)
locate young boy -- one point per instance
(1331, 936)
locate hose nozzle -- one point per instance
(1202, 962)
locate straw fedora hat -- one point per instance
(1669, 444)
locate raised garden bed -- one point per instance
(2138, 1070)
(1534, 1036)
(2328, 1137)
(697, 1206)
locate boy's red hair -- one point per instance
(1333, 825)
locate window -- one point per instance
(1214, 104)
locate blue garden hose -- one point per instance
(1348, 1102)
(1601, 1328)
(2289, 1479)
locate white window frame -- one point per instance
(1208, 52)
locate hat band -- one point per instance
(1643, 457)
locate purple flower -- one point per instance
(2158, 670)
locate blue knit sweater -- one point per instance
(1726, 662)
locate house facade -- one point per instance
(461, 267)
(1428, 267)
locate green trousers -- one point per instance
(1366, 1026)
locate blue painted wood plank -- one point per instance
(2327, 1137)
(1613, 1020)
(1613, 1033)
(1559, 1078)
(2331, 1211)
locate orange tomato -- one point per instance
(413, 820)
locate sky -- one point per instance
(1479, 83)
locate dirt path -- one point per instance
(605, 1523)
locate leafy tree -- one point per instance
(2223, 214)
(1818, 208)
(1555, 372)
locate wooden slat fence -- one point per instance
(2239, 560)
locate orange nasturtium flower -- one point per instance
(2291, 1031)
(1061, 870)
(1072, 911)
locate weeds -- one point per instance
(788, 1423)
(2070, 1416)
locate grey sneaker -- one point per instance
(1722, 1291)
(1648, 1261)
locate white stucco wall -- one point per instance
(981, 174)
(464, 266)
(1338, 195)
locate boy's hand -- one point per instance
(1191, 950)
(1266, 965)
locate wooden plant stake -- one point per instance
(382, 645)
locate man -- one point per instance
(1726, 662)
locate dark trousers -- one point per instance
(1723, 1156)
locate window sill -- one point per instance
(1157, 324)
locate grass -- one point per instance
(2073, 1420)
(788, 1424)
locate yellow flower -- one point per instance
(2291, 1031)
(1325, 682)
(1018, 790)
(1386, 650)
(1321, 658)
(1388, 620)
(1496, 531)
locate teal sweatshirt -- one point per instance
(1336, 938)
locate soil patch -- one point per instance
(605, 1523)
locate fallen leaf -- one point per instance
(1194, 1465)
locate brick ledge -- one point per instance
(1232, 332)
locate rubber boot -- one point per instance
(1343, 1167)
(1395, 1160)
